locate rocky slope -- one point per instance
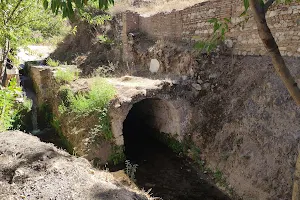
(31, 169)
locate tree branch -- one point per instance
(268, 4)
(13, 12)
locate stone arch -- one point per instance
(160, 114)
(145, 122)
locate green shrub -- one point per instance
(103, 39)
(66, 75)
(12, 106)
(117, 156)
(96, 99)
(52, 63)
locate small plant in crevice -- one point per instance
(218, 176)
(103, 126)
(117, 155)
(130, 169)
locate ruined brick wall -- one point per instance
(284, 22)
(192, 24)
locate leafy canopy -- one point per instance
(67, 7)
(23, 21)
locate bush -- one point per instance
(12, 106)
(66, 75)
(96, 99)
(52, 63)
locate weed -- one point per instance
(195, 152)
(130, 169)
(117, 156)
(219, 178)
(103, 127)
(66, 75)
(103, 39)
(97, 99)
(52, 63)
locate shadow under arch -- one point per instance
(169, 175)
(146, 117)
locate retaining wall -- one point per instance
(192, 24)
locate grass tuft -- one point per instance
(52, 63)
(66, 75)
(96, 99)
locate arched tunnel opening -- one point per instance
(167, 174)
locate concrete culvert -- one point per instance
(169, 175)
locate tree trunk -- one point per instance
(271, 45)
(3, 74)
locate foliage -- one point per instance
(66, 75)
(11, 108)
(52, 63)
(25, 22)
(104, 39)
(130, 169)
(103, 125)
(22, 20)
(220, 28)
(92, 16)
(67, 7)
(96, 99)
(219, 178)
(117, 156)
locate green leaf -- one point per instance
(246, 5)
(227, 20)
(45, 4)
(78, 3)
(213, 20)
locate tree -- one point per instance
(259, 9)
(20, 22)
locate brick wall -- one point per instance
(192, 24)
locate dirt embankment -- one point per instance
(85, 49)
(30, 169)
